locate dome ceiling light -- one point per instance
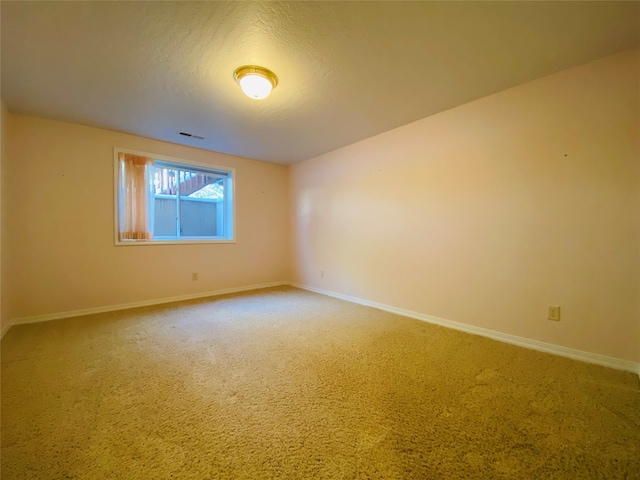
(256, 82)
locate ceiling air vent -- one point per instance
(185, 134)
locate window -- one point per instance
(161, 199)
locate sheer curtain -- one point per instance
(135, 195)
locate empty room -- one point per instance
(320, 240)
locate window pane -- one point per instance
(165, 208)
(164, 216)
(201, 205)
(164, 180)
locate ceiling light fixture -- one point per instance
(256, 82)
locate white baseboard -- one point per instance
(124, 306)
(6, 328)
(595, 358)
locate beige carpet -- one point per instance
(282, 383)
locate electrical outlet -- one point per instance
(554, 313)
(321, 273)
(194, 276)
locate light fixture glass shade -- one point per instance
(256, 82)
(255, 86)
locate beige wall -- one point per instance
(60, 214)
(488, 213)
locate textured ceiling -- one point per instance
(346, 71)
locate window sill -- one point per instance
(125, 243)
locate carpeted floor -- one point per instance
(287, 384)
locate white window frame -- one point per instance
(230, 204)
